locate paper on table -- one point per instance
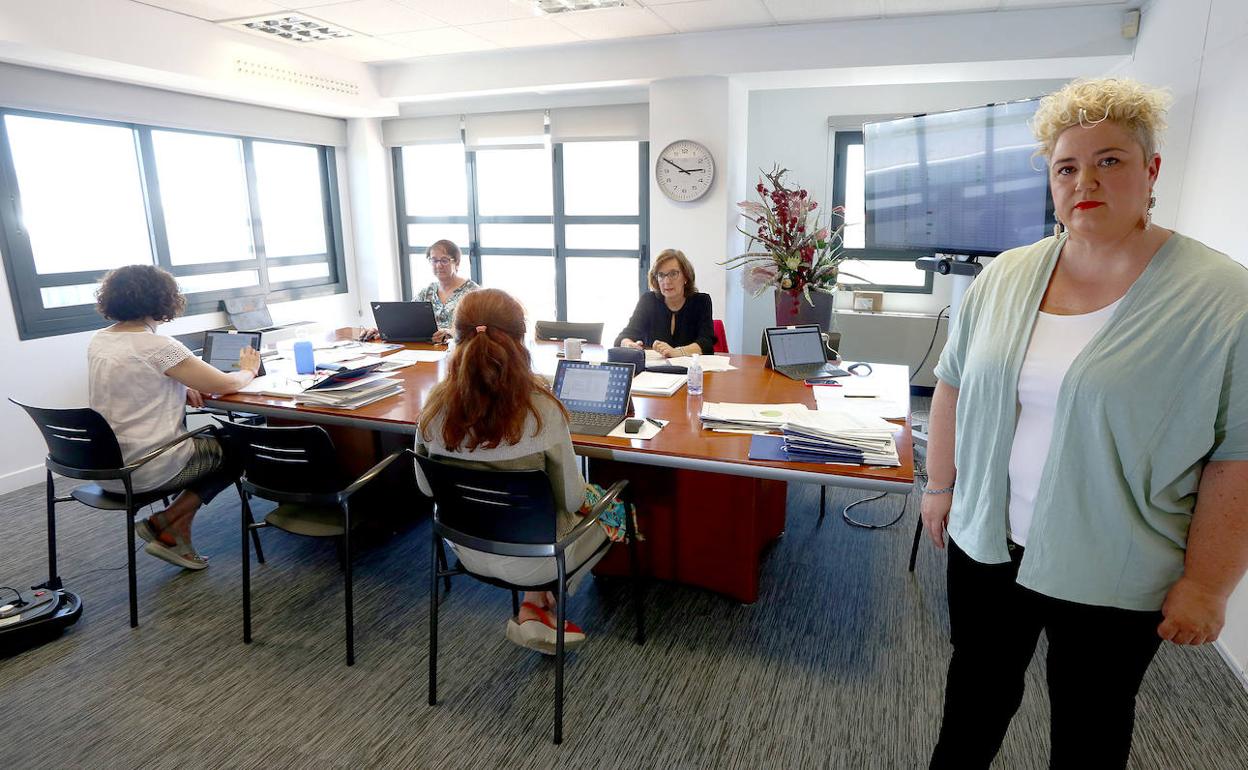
(417, 356)
(276, 385)
(708, 363)
(832, 399)
(657, 384)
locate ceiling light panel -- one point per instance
(570, 6)
(294, 28)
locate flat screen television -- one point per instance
(959, 182)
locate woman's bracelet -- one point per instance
(943, 491)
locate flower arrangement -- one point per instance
(788, 247)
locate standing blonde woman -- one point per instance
(1088, 457)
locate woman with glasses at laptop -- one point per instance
(141, 382)
(444, 293)
(493, 411)
(1088, 445)
(450, 287)
(674, 318)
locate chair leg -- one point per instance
(561, 613)
(443, 565)
(54, 580)
(823, 499)
(433, 622)
(515, 603)
(346, 547)
(130, 566)
(914, 547)
(246, 519)
(250, 524)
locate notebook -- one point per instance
(595, 393)
(405, 321)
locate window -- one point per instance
(875, 269)
(228, 216)
(564, 228)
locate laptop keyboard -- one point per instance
(806, 370)
(596, 419)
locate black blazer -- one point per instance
(652, 322)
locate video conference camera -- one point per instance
(944, 265)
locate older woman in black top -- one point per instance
(674, 318)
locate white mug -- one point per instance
(572, 348)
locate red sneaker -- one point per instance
(540, 634)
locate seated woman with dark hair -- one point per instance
(674, 318)
(141, 382)
(493, 411)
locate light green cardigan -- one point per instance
(1161, 390)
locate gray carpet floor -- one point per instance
(841, 664)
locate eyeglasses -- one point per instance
(673, 274)
(440, 260)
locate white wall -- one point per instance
(1199, 49)
(373, 220)
(706, 111)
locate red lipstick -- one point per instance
(1083, 205)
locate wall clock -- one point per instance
(684, 170)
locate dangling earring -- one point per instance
(1148, 215)
(1058, 229)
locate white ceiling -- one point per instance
(387, 30)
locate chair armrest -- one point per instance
(152, 455)
(594, 514)
(371, 474)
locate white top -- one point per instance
(1055, 342)
(128, 386)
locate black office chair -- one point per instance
(561, 330)
(511, 513)
(82, 445)
(298, 468)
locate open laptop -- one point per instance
(595, 393)
(221, 349)
(405, 321)
(797, 352)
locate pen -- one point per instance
(655, 423)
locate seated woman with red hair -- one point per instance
(492, 410)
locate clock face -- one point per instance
(684, 170)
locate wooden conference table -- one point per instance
(706, 511)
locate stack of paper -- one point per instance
(657, 384)
(708, 363)
(749, 418)
(840, 437)
(352, 395)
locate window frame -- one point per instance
(34, 321)
(843, 139)
(558, 219)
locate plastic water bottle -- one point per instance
(695, 376)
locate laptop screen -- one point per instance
(221, 349)
(796, 346)
(585, 386)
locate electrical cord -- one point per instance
(931, 344)
(920, 471)
(100, 569)
(20, 601)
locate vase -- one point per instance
(793, 309)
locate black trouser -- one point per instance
(1097, 658)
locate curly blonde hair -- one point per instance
(1138, 108)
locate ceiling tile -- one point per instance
(217, 10)
(360, 48)
(613, 22)
(714, 14)
(520, 33)
(460, 12)
(911, 7)
(821, 10)
(436, 42)
(374, 17)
